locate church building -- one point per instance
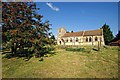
(88, 37)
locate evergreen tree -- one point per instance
(108, 36)
(53, 37)
(53, 40)
(22, 27)
(118, 35)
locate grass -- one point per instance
(65, 64)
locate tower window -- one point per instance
(59, 30)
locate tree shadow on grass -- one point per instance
(6, 52)
(45, 53)
(51, 53)
(27, 55)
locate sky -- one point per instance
(78, 16)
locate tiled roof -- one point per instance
(84, 33)
(71, 34)
(93, 32)
(117, 42)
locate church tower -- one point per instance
(61, 32)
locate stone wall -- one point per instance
(82, 40)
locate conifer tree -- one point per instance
(23, 26)
(108, 36)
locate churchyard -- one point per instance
(81, 62)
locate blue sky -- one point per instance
(78, 16)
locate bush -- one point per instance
(75, 49)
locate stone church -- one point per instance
(89, 37)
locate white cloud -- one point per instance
(52, 7)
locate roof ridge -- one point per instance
(84, 33)
(85, 30)
(93, 30)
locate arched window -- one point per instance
(76, 39)
(70, 39)
(86, 39)
(66, 40)
(90, 39)
(60, 42)
(96, 39)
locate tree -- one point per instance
(22, 27)
(108, 36)
(117, 37)
(53, 40)
(53, 37)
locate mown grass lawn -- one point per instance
(65, 64)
